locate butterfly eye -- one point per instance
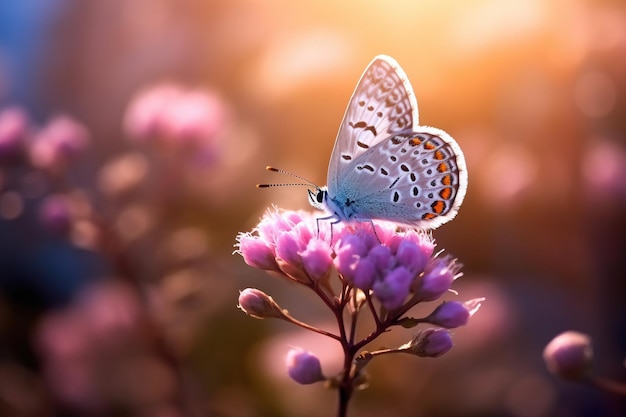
(320, 196)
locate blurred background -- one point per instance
(132, 133)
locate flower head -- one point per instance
(61, 140)
(396, 266)
(287, 242)
(173, 117)
(378, 266)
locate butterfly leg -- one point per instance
(371, 222)
(335, 219)
(374, 229)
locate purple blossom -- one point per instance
(393, 264)
(436, 280)
(286, 242)
(393, 289)
(303, 366)
(389, 266)
(317, 259)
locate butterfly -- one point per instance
(384, 165)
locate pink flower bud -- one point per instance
(436, 280)
(569, 355)
(317, 259)
(304, 367)
(287, 248)
(431, 343)
(257, 304)
(412, 256)
(349, 252)
(256, 252)
(450, 315)
(381, 258)
(364, 274)
(394, 288)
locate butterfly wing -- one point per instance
(417, 179)
(382, 104)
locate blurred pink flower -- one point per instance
(60, 141)
(175, 117)
(95, 351)
(55, 214)
(13, 130)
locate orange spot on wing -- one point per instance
(446, 180)
(428, 216)
(438, 154)
(438, 206)
(446, 193)
(430, 146)
(415, 142)
(442, 167)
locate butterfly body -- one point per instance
(384, 164)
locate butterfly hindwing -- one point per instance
(382, 104)
(417, 179)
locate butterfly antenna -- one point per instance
(280, 171)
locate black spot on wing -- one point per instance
(363, 125)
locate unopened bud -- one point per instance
(569, 355)
(430, 343)
(450, 315)
(304, 367)
(257, 304)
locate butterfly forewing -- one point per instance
(382, 105)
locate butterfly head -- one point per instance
(318, 196)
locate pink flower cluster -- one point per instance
(97, 354)
(50, 147)
(379, 268)
(397, 267)
(175, 117)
